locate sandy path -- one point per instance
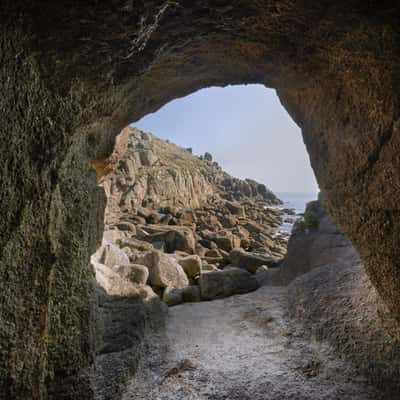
(242, 348)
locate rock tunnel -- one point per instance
(73, 75)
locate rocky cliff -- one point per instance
(154, 173)
(158, 187)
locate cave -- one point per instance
(73, 75)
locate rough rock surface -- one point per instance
(340, 306)
(251, 261)
(75, 74)
(172, 296)
(314, 246)
(191, 265)
(186, 203)
(331, 296)
(176, 179)
(169, 238)
(126, 313)
(113, 255)
(164, 270)
(135, 273)
(230, 281)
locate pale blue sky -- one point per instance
(245, 128)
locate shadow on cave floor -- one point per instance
(242, 347)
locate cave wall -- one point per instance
(323, 272)
(73, 75)
(351, 129)
(51, 221)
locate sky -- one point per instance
(245, 128)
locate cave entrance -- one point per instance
(191, 220)
(250, 135)
(194, 180)
(245, 127)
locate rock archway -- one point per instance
(73, 75)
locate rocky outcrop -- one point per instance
(75, 74)
(127, 310)
(155, 174)
(126, 313)
(315, 241)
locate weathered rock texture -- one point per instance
(126, 313)
(340, 305)
(153, 173)
(74, 75)
(315, 242)
(178, 216)
(163, 194)
(333, 298)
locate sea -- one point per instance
(298, 202)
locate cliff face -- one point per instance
(157, 185)
(154, 173)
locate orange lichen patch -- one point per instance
(106, 166)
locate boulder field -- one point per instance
(180, 224)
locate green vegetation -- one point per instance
(310, 218)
